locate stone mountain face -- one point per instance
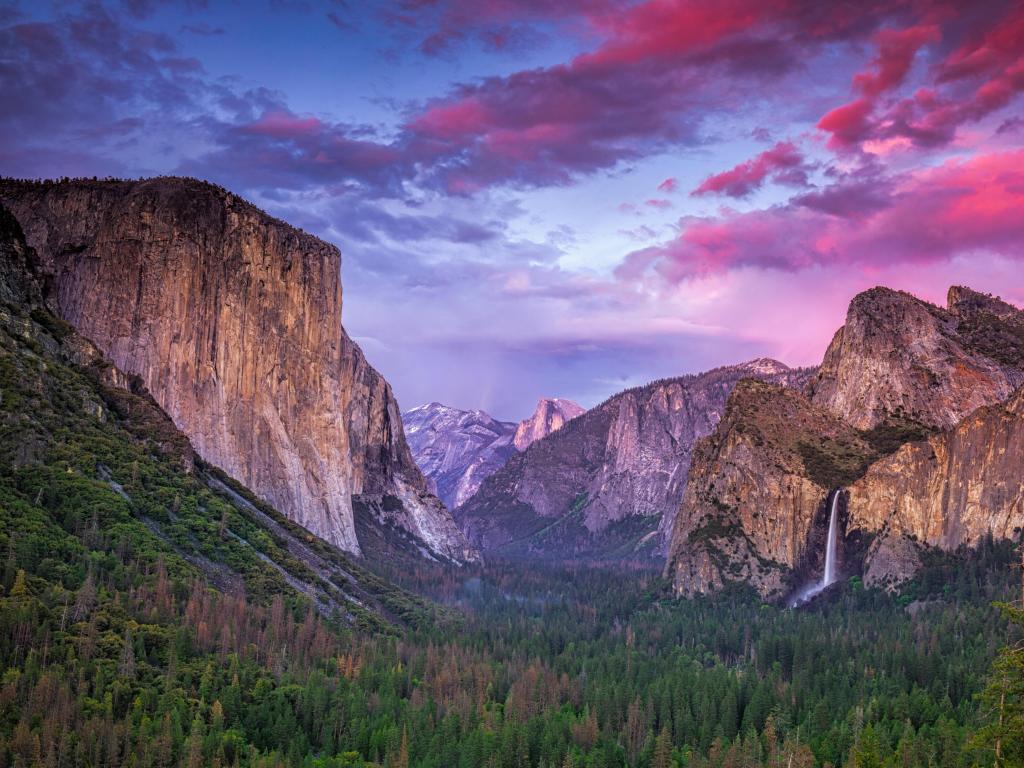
(948, 490)
(897, 353)
(457, 450)
(232, 319)
(756, 486)
(550, 415)
(907, 412)
(608, 482)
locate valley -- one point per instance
(511, 384)
(721, 569)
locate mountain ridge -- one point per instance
(912, 410)
(608, 482)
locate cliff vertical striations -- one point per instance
(232, 319)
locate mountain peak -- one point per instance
(766, 366)
(900, 354)
(550, 414)
(260, 393)
(963, 301)
(455, 449)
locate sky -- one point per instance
(561, 199)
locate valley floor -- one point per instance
(540, 667)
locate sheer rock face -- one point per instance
(232, 319)
(897, 353)
(898, 370)
(609, 482)
(457, 450)
(550, 415)
(949, 490)
(751, 499)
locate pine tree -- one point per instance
(1003, 698)
(662, 757)
(127, 668)
(19, 589)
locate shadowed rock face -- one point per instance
(550, 415)
(232, 319)
(914, 410)
(457, 450)
(608, 483)
(897, 353)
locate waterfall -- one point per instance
(830, 547)
(831, 544)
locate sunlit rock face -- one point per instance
(550, 415)
(916, 410)
(457, 450)
(609, 482)
(951, 489)
(897, 353)
(232, 319)
(753, 495)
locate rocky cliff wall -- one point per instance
(233, 321)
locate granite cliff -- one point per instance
(609, 482)
(84, 439)
(899, 354)
(913, 410)
(757, 485)
(232, 320)
(550, 415)
(949, 490)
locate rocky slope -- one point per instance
(611, 479)
(901, 372)
(456, 450)
(232, 320)
(550, 415)
(897, 353)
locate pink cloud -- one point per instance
(281, 124)
(661, 67)
(669, 185)
(849, 124)
(896, 51)
(924, 217)
(655, 75)
(783, 162)
(659, 203)
(982, 75)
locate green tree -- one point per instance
(1003, 699)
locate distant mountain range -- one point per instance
(608, 484)
(231, 321)
(915, 414)
(457, 450)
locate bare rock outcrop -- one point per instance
(916, 410)
(551, 414)
(232, 319)
(899, 354)
(949, 490)
(757, 485)
(457, 450)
